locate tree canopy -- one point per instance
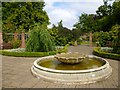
(85, 23)
(106, 16)
(22, 16)
(61, 35)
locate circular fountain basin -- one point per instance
(88, 71)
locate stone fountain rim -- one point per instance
(70, 71)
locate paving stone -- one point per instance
(16, 73)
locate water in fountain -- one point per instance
(87, 63)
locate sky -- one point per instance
(69, 10)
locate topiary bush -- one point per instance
(40, 40)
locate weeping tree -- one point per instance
(40, 40)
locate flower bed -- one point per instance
(106, 49)
(97, 51)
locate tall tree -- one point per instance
(85, 23)
(106, 1)
(62, 35)
(18, 16)
(76, 34)
(116, 12)
(104, 10)
(60, 24)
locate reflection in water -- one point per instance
(87, 63)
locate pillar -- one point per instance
(23, 40)
(90, 39)
(1, 41)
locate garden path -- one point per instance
(16, 73)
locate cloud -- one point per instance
(62, 14)
(69, 10)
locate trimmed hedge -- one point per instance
(100, 53)
(32, 54)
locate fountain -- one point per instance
(72, 68)
(70, 58)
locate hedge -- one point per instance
(97, 52)
(32, 54)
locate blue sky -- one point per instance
(69, 10)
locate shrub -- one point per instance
(40, 40)
(16, 43)
(79, 40)
(100, 53)
(101, 38)
(6, 38)
(71, 43)
(115, 31)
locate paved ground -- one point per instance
(0, 72)
(16, 73)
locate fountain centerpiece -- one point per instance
(70, 58)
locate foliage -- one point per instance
(113, 36)
(104, 37)
(116, 13)
(76, 34)
(79, 41)
(106, 16)
(105, 23)
(115, 31)
(104, 10)
(63, 35)
(6, 38)
(40, 40)
(16, 43)
(60, 34)
(85, 23)
(101, 37)
(54, 33)
(71, 43)
(95, 36)
(32, 54)
(97, 52)
(19, 16)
